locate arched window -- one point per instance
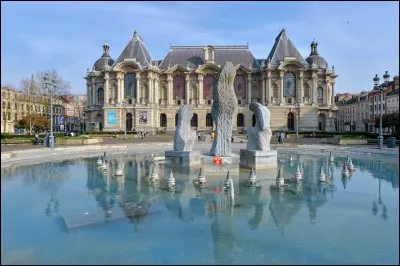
(193, 121)
(209, 120)
(163, 120)
(240, 120)
(179, 87)
(240, 86)
(208, 86)
(8, 106)
(128, 122)
(320, 95)
(321, 122)
(289, 85)
(130, 85)
(290, 121)
(100, 95)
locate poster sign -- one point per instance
(112, 117)
(217, 160)
(143, 117)
(60, 120)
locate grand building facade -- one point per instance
(139, 93)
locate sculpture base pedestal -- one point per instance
(183, 158)
(258, 159)
(213, 164)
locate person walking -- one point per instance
(36, 138)
(279, 138)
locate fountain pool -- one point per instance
(134, 220)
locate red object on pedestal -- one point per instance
(217, 160)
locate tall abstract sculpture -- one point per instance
(259, 136)
(184, 137)
(223, 110)
(258, 153)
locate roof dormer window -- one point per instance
(209, 54)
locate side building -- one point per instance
(16, 104)
(139, 93)
(353, 113)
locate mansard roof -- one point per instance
(283, 47)
(135, 49)
(194, 56)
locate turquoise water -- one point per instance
(344, 221)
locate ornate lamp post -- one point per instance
(124, 105)
(51, 86)
(297, 106)
(380, 88)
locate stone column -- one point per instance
(333, 94)
(106, 80)
(282, 99)
(119, 89)
(170, 94)
(300, 88)
(314, 88)
(89, 102)
(151, 93)
(200, 88)
(93, 91)
(138, 88)
(327, 101)
(248, 88)
(187, 85)
(156, 90)
(263, 92)
(269, 87)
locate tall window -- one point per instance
(289, 85)
(179, 87)
(193, 121)
(163, 120)
(208, 86)
(240, 86)
(209, 120)
(130, 85)
(240, 120)
(320, 95)
(100, 95)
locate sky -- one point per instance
(360, 39)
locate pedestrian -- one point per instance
(279, 138)
(36, 138)
(212, 135)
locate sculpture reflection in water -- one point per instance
(287, 202)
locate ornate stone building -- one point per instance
(144, 94)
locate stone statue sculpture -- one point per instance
(184, 137)
(223, 110)
(259, 136)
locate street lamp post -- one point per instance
(380, 88)
(124, 105)
(297, 106)
(51, 85)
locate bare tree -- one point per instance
(63, 87)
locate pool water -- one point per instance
(351, 220)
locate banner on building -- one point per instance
(143, 117)
(60, 120)
(112, 117)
